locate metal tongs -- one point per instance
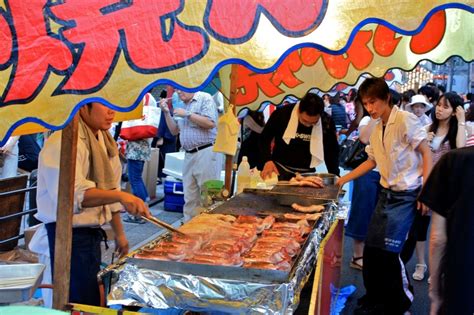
(160, 223)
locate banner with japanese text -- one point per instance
(374, 50)
(56, 56)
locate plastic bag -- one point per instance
(352, 154)
(227, 133)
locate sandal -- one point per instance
(355, 263)
(419, 273)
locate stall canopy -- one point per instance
(58, 55)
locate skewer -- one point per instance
(160, 223)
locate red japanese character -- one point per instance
(148, 32)
(385, 41)
(248, 83)
(285, 71)
(431, 35)
(37, 52)
(235, 22)
(358, 55)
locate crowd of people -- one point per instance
(393, 200)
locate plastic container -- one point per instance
(243, 175)
(174, 195)
(27, 278)
(210, 191)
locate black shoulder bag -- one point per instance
(352, 154)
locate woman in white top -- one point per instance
(447, 132)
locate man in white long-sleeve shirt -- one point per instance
(98, 199)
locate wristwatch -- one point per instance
(187, 114)
(461, 124)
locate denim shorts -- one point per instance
(364, 199)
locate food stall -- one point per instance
(260, 280)
(56, 57)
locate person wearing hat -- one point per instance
(419, 106)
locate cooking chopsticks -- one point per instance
(160, 223)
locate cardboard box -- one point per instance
(29, 232)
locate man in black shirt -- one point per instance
(303, 137)
(448, 192)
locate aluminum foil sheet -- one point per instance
(156, 289)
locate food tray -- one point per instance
(242, 204)
(18, 282)
(305, 196)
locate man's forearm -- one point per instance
(427, 159)
(362, 169)
(172, 125)
(116, 224)
(95, 197)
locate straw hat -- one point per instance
(419, 99)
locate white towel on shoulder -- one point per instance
(316, 143)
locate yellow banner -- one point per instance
(375, 49)
(57, 56)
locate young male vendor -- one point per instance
(97, 198)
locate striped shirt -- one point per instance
(470, 133)
(191, 135)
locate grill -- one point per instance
(243, 204)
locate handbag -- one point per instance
(146, 127)
(352, 154)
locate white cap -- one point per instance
(419, 99)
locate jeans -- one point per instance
(135, 170)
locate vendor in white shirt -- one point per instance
(98, 199)
(398, 148)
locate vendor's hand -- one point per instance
(134, 205)
(422, 207)
(341, 181)
(343, 131)
(121, 245)
(268, 169)
(460, 114)
(164, 106)
(180, 112)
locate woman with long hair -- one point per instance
(447, 132)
